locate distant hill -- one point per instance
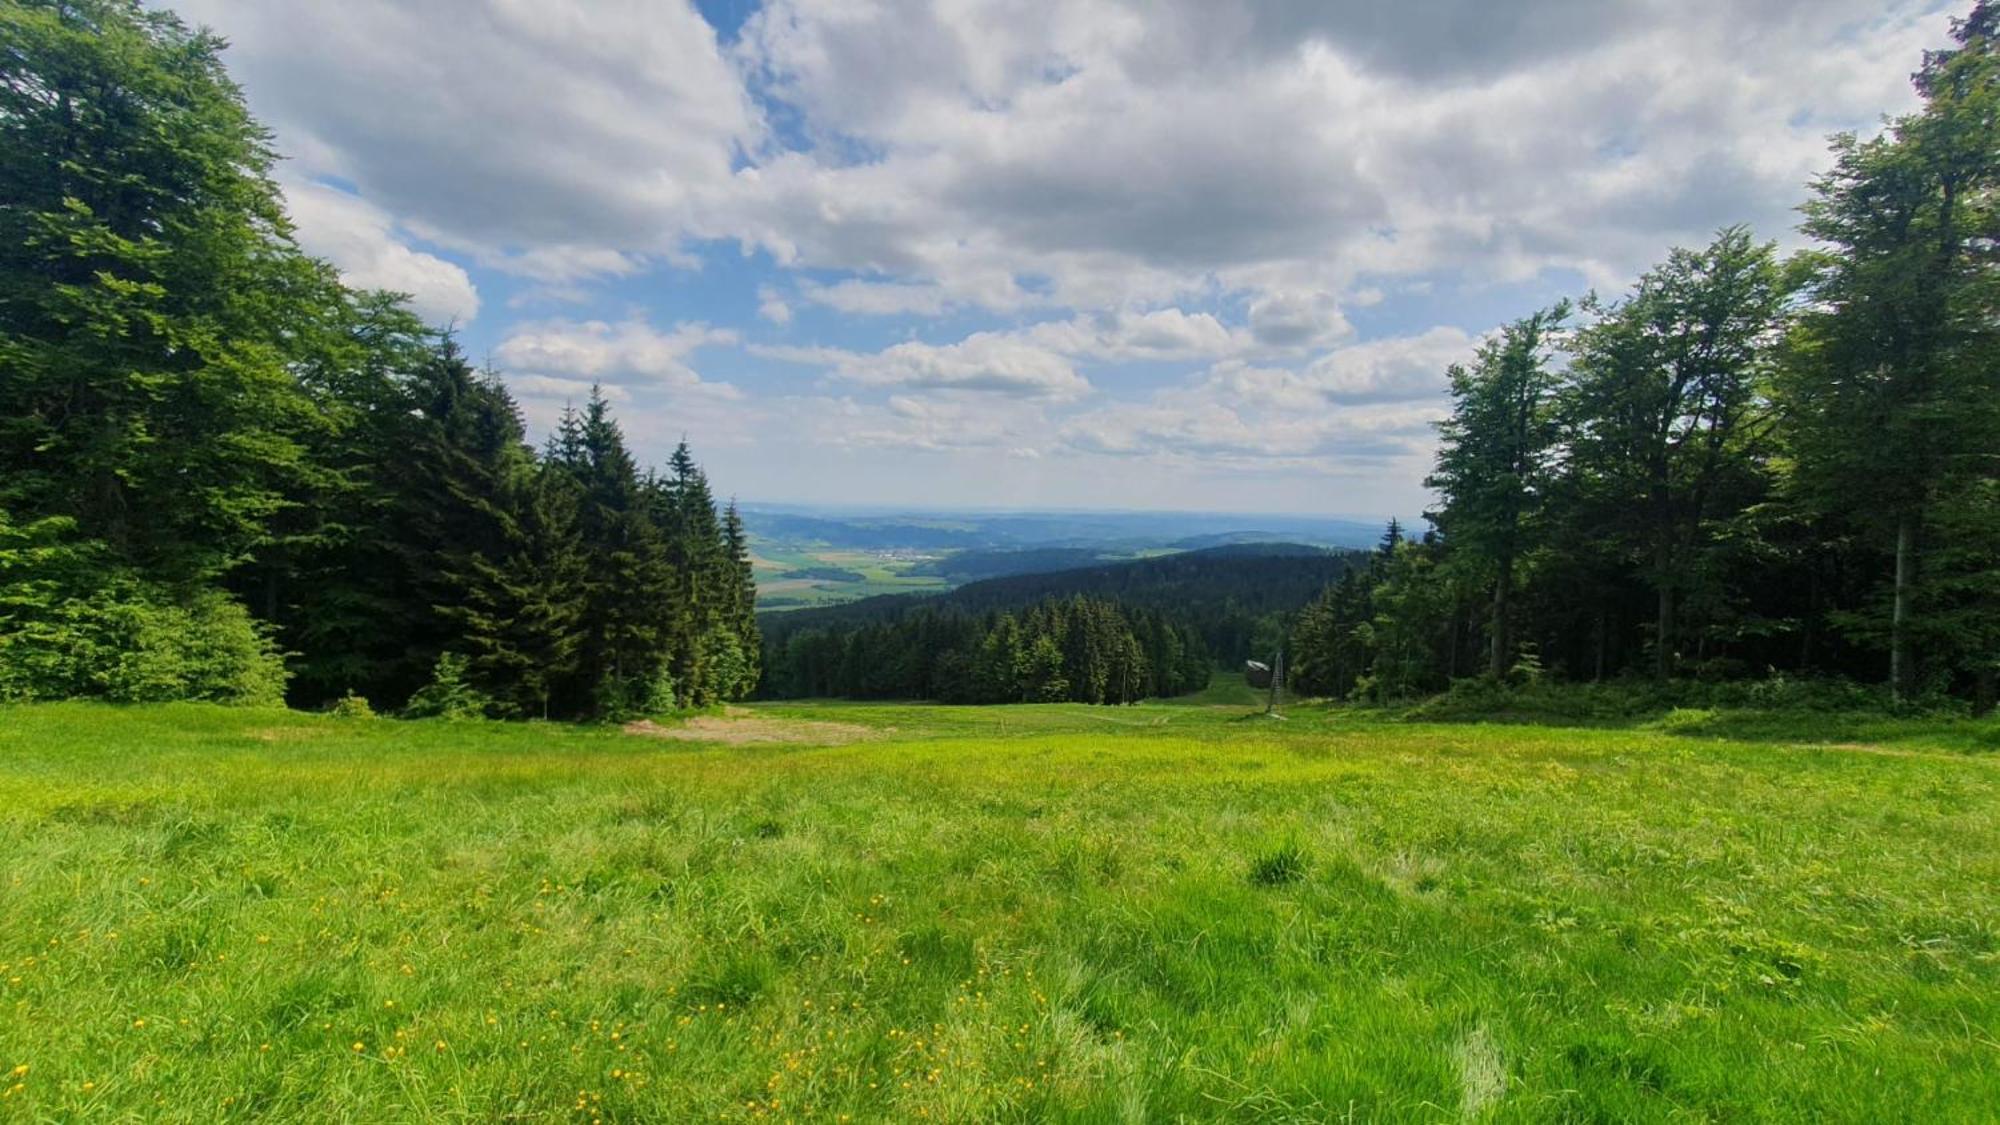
(1223, 591)
(1120, 532)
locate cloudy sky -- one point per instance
(1147, 254)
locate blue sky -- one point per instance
(996, 253)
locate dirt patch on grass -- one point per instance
(739, 728)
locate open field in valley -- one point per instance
(859, 912)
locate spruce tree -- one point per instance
(741, 592)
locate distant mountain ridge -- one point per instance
(1103, 531)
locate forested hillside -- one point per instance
(1742, 465)
(226, 475)
(1074, 650)
(1234, 598)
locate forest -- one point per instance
(1745, 466)
(227, 476)
(1075, 650)
(1235, 599)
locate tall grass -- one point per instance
(1017, 914)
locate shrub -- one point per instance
(73, 625)
(351, 706)
(449, 695)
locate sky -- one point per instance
(1164, 254)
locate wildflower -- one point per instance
(359, 1047)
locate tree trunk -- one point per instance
(1899, 616)
(1497, 666)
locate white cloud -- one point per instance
(1002, 155)
(1146, 184)
(875, 298)
(566, 390)
(1163, 334)
(631, 353)
(361, 240)
(551, 134)
(989, 362)
(1297, 319)
(771, 305)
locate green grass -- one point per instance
(1121, 914)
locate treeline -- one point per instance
(1743, 464)
(225, 475)
(1076, 650)
(1236, 598)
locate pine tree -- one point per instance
(685, 510)
(627, 592)
(742, 600)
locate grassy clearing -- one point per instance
(1025, 913)
(880, 574)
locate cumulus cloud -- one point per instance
(631, 353)
(997, 154)
(988, 362)
(1163, 145)
(771, 305)
(1067, 190)
(361, 240)
(549, 133)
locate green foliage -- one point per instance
(1740, 466)
(151, 299)
(1080, 650)
(449, 694)
(72, 623)
(351, 706)
(191, 405)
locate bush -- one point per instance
(72, 626)
(1676, 702)
(351, 706)
(449, 695)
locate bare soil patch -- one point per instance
(738, 727)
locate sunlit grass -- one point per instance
(1025, 913)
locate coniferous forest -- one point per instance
(1076, 650)
(1745, 465)
(224, 475)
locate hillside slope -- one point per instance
(1222, 591)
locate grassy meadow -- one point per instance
(853, 912)
(878, 572)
